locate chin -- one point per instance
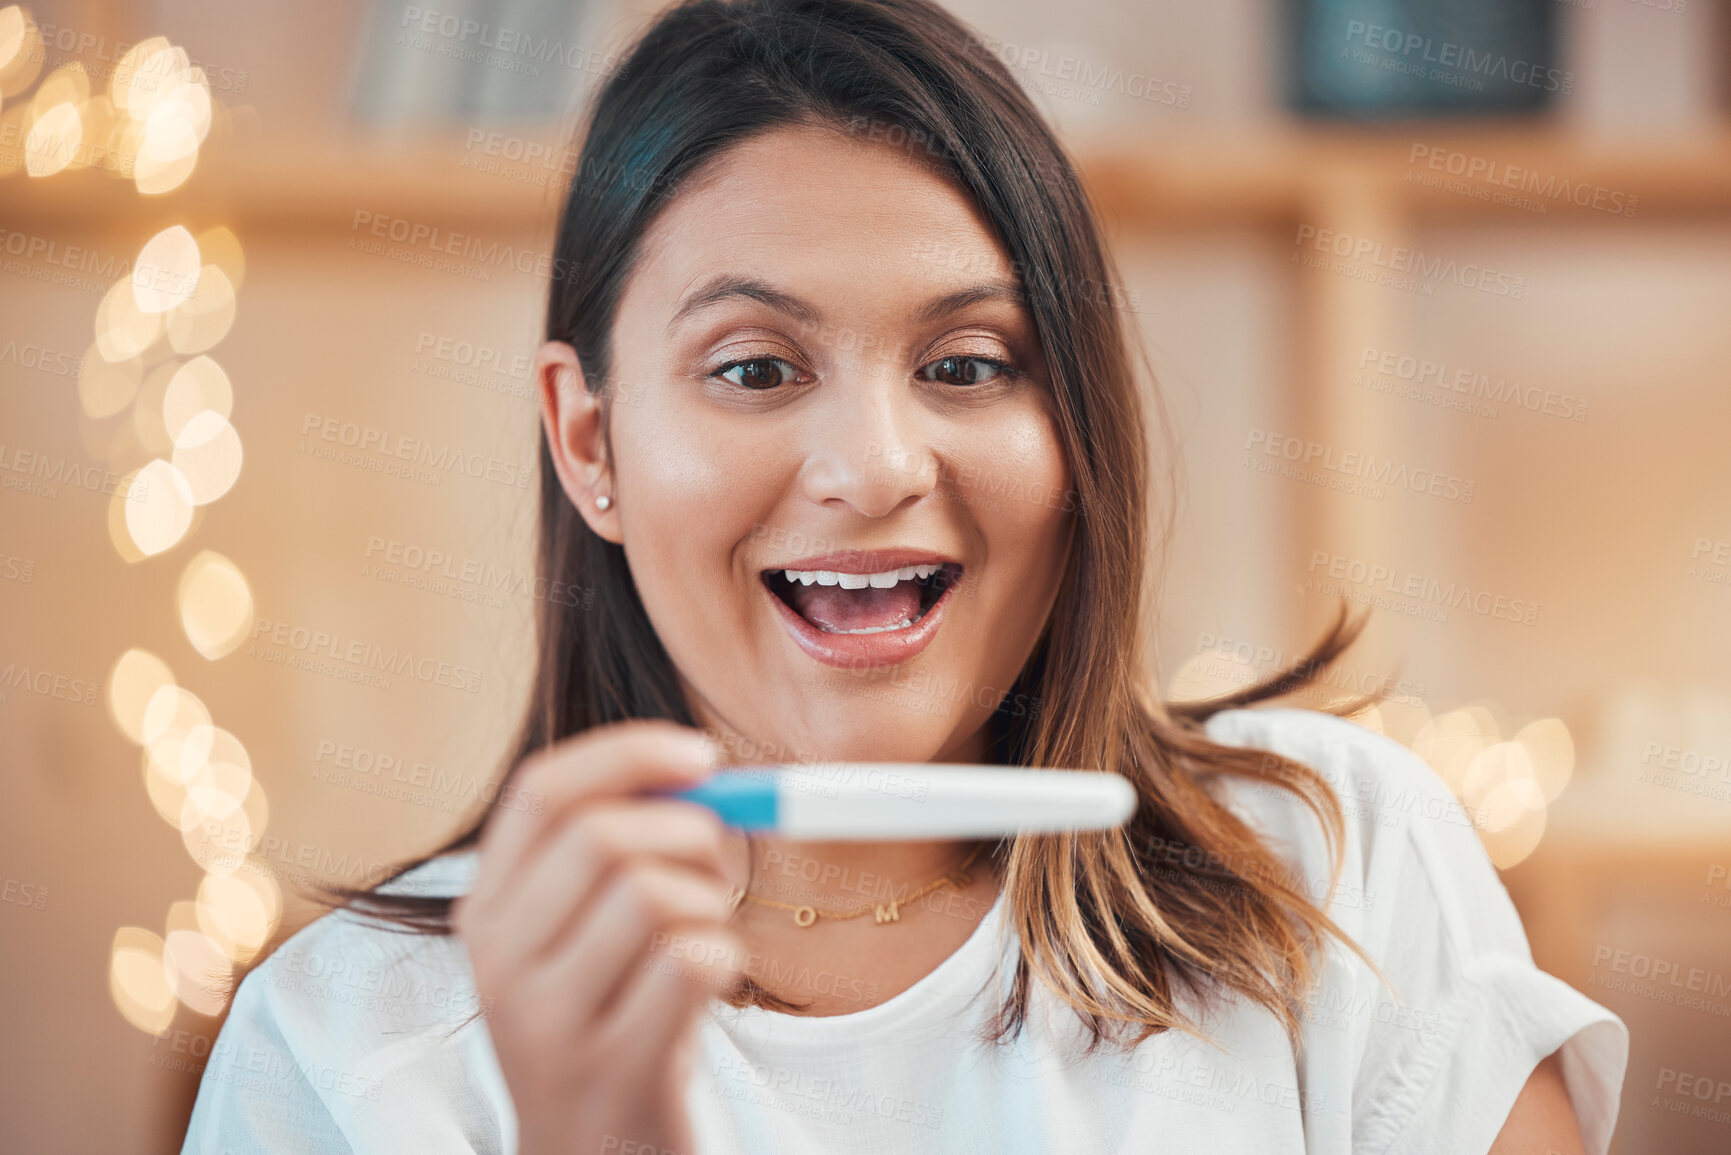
(879, 722)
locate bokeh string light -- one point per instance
(149, 367)
(1504, 786)
(148, 127)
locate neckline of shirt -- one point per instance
(918, 1010)
(929, 1000)
(447, 876)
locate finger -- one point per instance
(562, 876)
(649, 918)
(625, 758)
(654, 1009)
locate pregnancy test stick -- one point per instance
(891, 800)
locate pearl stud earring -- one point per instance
(603, 503)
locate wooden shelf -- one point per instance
(1277, 177)
(1162, 181)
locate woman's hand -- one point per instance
(595, 1039)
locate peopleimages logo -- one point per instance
(1398, 259)
(1353, 463)
(415, 457)
(1511, 176)
(41, 358)
(34, 249)
(1459, 58)
(472, 355)
(1420, 371)
(1670, 972)
(1418, 588)
(424, 243)
(42, 474)
(304, 643)
(520, 50)
(46, 683)
(1044, 65)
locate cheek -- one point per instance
(1032, 451)
(665, 459)
(1021, 487)
(690, 490)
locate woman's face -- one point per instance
(820, 364)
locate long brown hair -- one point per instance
(1100, 923)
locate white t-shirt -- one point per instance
(343, 1040)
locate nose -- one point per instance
(868, 453)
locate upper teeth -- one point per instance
(859, 581)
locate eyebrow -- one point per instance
(727, 287)
(972, 295)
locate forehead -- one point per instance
(836, 214)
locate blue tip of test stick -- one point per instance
(745, 801)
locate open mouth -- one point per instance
(836, 602)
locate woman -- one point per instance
(833, 307)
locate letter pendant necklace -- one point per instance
(806, 915)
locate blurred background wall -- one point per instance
(1436, 295)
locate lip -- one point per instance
(865, 560)
(863, 651)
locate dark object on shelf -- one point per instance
(1396, 59)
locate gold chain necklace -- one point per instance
(807, 915)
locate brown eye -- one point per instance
(759, 373)
(962, 370)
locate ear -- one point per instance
(572, 417)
